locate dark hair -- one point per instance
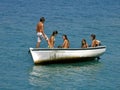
(93, 36)
(65, 36)
(83, 40)
(55, 32)
(42, 19)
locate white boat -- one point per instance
(46, 55)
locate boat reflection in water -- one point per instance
(58, 75)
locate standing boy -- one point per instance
(40, 32)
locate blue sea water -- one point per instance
(76, 18)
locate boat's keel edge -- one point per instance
(63, 61)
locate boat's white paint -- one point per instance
(42, 54)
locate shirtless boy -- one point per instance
(95, 42)
(40, 32)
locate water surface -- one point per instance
(76, 18)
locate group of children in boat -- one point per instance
(51, 40)
(65, 44)
(94, 42)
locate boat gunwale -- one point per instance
(52, 49)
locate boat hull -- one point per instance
(42, 55)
